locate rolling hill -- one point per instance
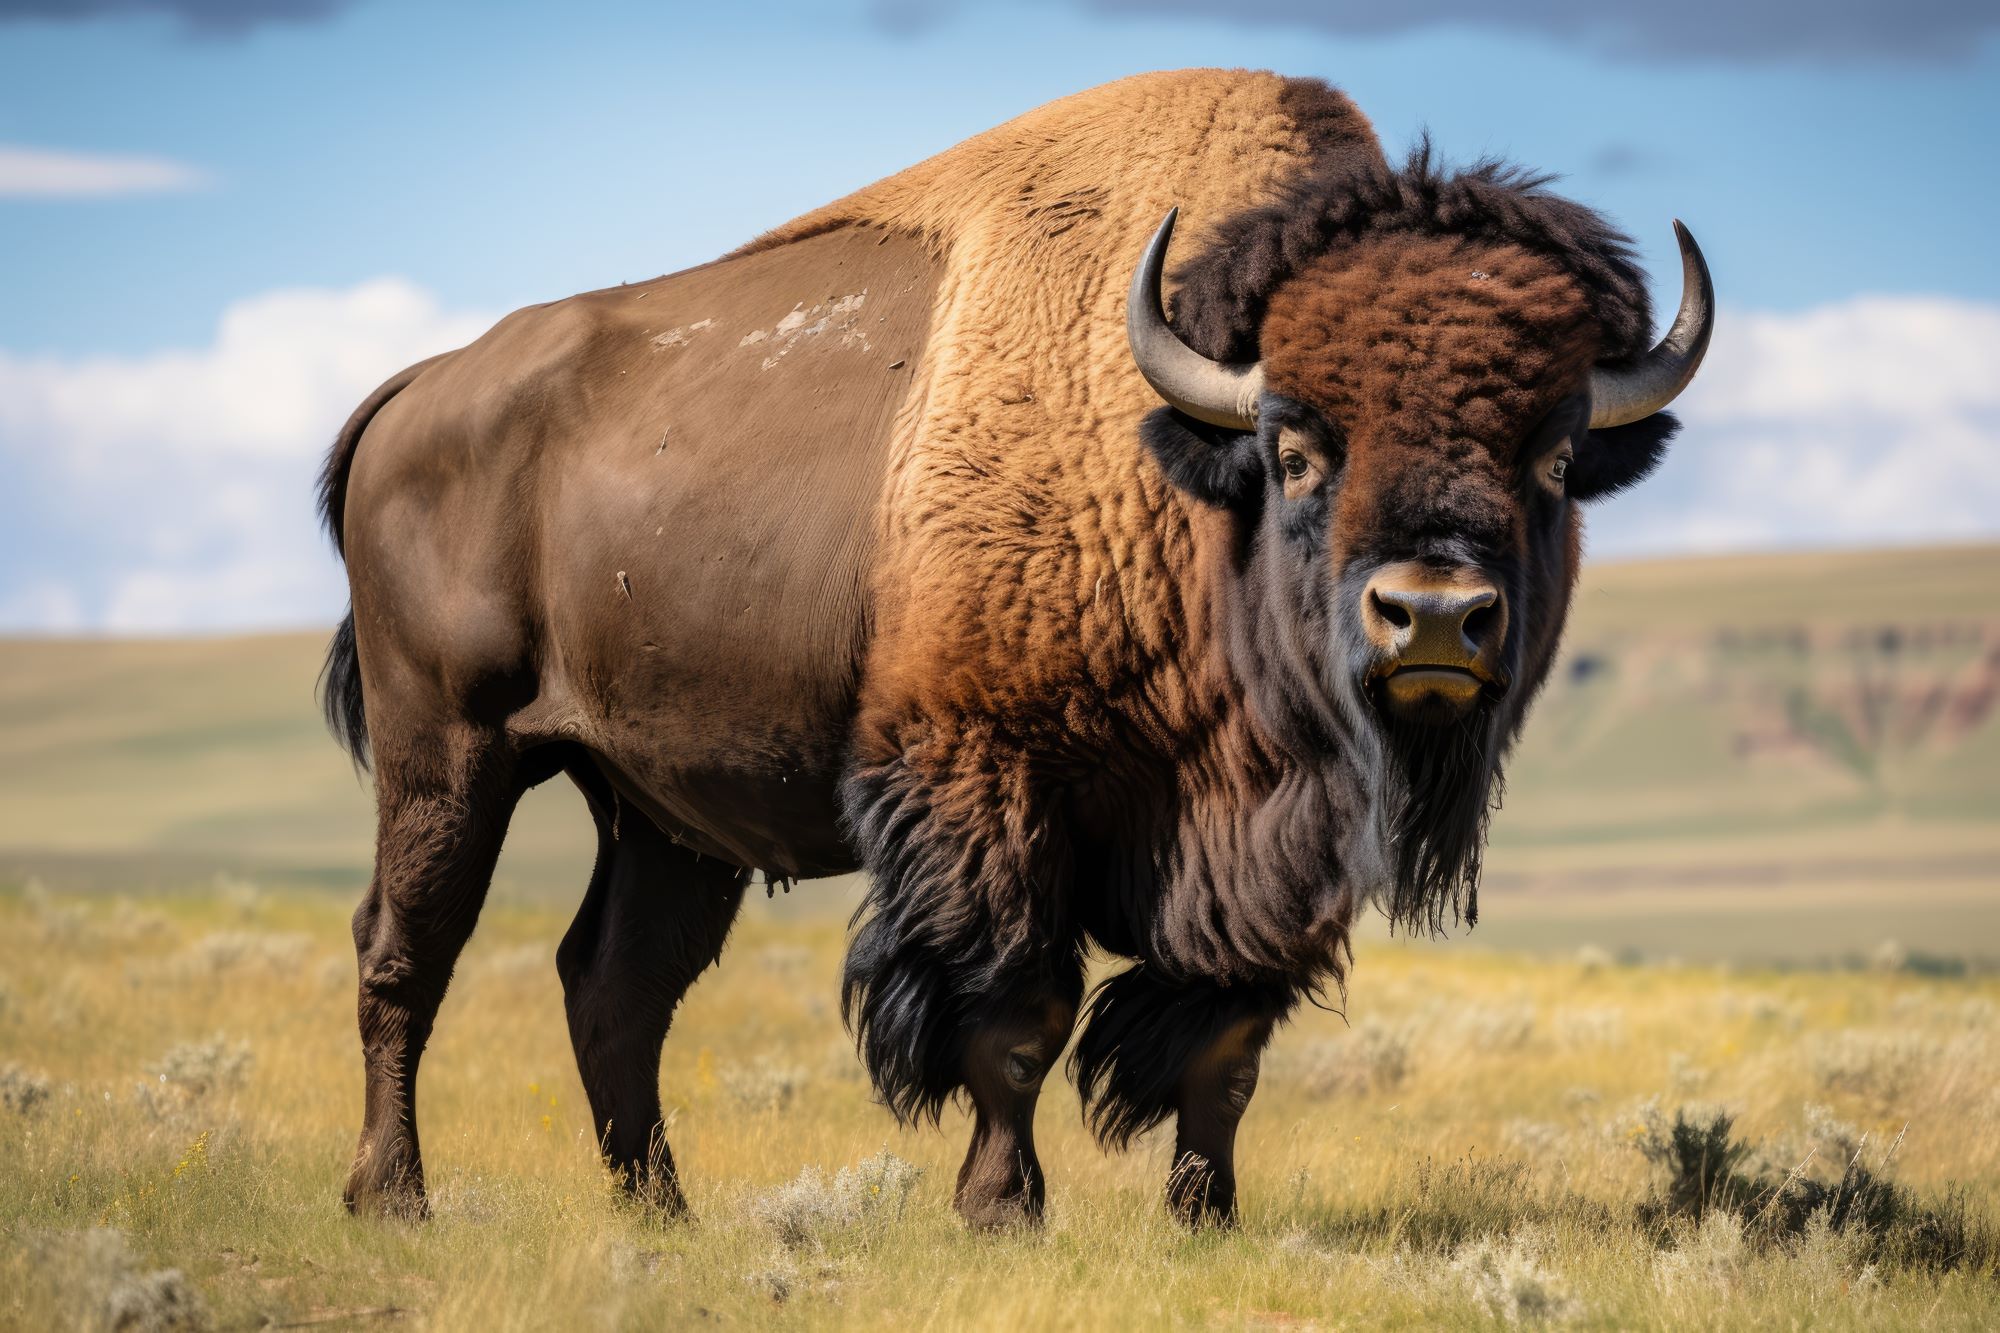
(1803, 748)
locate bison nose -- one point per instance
(1437, 634)
(1434, 623)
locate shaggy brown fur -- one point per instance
(1070, 687)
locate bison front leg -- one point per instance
(1005, 1064)
(964, 974)
(1213, 1093)
(926, 1035)
(1153, 1048)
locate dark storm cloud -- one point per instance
(1743, 31)
(205, 16)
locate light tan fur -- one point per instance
(1030, 549)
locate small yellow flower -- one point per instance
(534, 1089)
(547, 1122)
(196, 1155)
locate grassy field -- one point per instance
(181, 1092)
(1747, 863)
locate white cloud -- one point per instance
(173, 491)
(46, 173)
(1871, 420)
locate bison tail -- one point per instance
(340, 678)
(340, 693)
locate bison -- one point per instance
(873, 546)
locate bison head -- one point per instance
(1438, 382)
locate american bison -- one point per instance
(871, 545)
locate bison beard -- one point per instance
(1441, 784)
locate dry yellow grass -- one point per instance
(1462, 1156)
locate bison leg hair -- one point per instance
(442, 812)
(656, 916)
(1152, 1048)
(1006, 1061)
(964, 973)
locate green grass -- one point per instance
(1472, 1152)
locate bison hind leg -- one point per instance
(444, 800)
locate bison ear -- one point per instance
(1215, 465)
(1619, 456)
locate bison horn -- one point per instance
(1620, 397)
(1211, 391)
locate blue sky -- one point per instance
(218, 229)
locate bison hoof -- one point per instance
(1198, 1195)
(999, 1213)
(661, 1192)
(394, 1190)
(401, 1202)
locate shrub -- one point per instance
(763, 1084)
(203, 1066)
(1499, 1028)
(1507, 1277)
(22, 1090)
(103, 1286)
(812, 1208)
(1712, 1254)
(1878, 1066)
(1707, 1170)
(1374, 1057)
(1590, 1027)
(229, 951)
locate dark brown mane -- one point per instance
(1219, 309)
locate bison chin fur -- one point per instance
(1441, 785)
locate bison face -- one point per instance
(1405, 465)
(1427, 411)
(1390, 573)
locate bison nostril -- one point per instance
(1478, 621)
(1397, 616)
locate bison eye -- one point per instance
(1294, 464)
(1559, 469)
(1022, 1067)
